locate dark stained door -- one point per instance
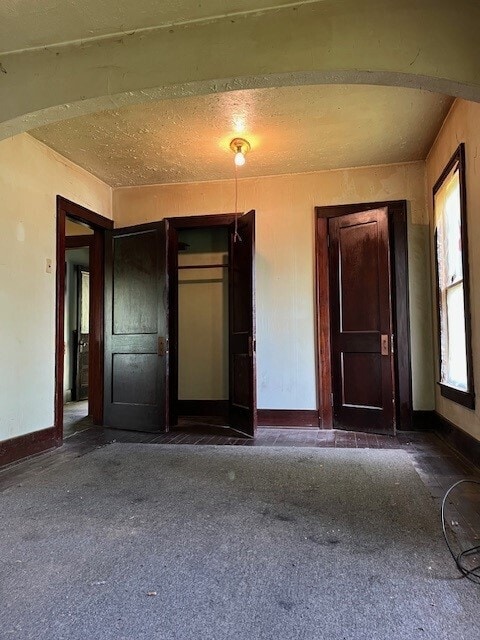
(82, 333)
(136, 344)
(361, 324)
(242, 371)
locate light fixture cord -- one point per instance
(236, 235)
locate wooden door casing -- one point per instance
(361, 322)
(96, 348)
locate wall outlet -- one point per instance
(48, 265)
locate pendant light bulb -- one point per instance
(239, 158)
(240, 147)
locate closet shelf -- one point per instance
(203, 266)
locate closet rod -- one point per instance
(203, 266)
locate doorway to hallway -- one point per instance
(79, 318)
(78, 247)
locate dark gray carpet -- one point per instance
(237, 543)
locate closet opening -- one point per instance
(202, 293)
(211, 346)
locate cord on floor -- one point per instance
(470, 574)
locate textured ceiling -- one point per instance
(26, 24)
(291, 130)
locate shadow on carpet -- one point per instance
(155, 542)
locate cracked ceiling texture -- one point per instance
(291, 130)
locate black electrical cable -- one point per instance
(470, 574)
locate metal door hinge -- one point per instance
(162, 347)
(331, 399)
(391, 344)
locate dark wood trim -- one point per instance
(397, 214)
(460, 440)
(401, 314)
(298, 418)
(82, 214)
(197, 222)
(172, 288)
(96, 340)
(78, 242)
(66, 208)
(465, 398)
(28, 445)
(335, 210)
(60, 323)
(202, 408)
(423, 420)
(138, 228)
(324, 368)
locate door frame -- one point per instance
(397, 229)
(173, 226)
(96, 242)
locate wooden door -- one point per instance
(361, 322)
(136, 341)
(242, 371)
(82, 333)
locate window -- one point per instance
(456, 382)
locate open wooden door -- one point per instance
(243, 399)
(82, 333)
(136, 340)
(361, 322)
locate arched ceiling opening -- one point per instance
(431, 45)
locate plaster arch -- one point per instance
(431, 44)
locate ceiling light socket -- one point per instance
(240, 147)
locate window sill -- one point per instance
(465, 398)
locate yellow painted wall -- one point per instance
(285, 261)
(31, 176)
(462, 125)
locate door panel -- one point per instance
(135, 290)
(359, 304)
(361, 322)
(136, 382)
(243, 402)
